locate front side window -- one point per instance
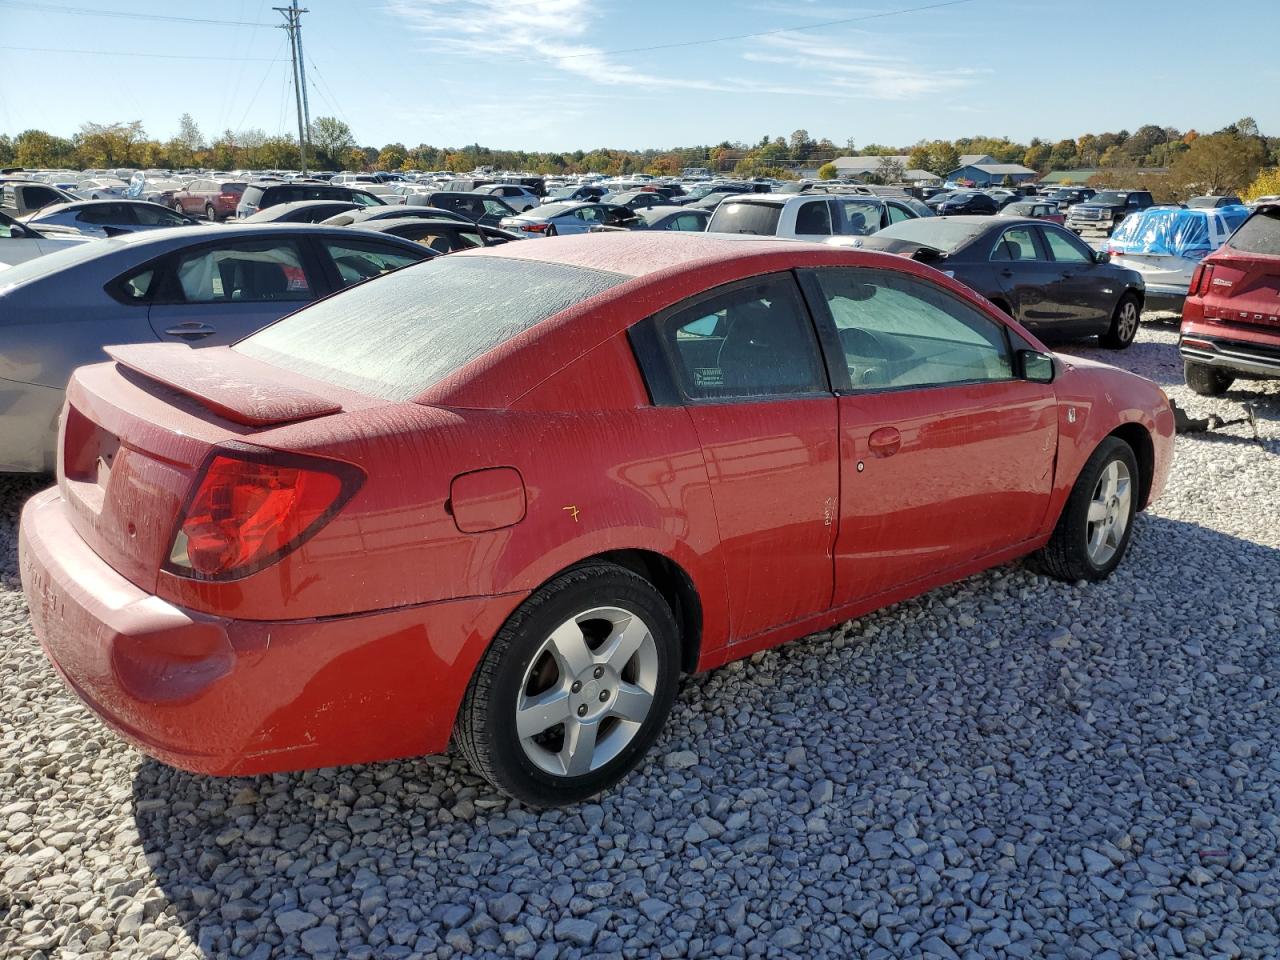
(687, 221)
(753, 341)
(897, 214)
(1066, 249)
(253, 271)
(495, 208)
(896, 332)
(358, 260)
(157, 217)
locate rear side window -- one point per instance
(1259, 234)
(752, 341)
(394, 338)
(756, 218)
(359, 260)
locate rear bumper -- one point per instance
(1164, 298)
(222, 696)
(1248, 358)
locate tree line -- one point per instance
(1226, 159)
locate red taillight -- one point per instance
(534, 227)
(252, 508)
(1201, 279)
(228, 195)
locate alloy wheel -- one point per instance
(1108, 516)
(587, 691)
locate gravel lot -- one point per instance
(1007, 767)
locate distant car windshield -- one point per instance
(395, 338)
(1110, 196)
(939, 233)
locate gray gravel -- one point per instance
(1008, 767)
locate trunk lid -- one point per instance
(135, 434)
(1245, 288)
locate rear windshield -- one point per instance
(1259, 234)
(937, 232)
(397, 336)
(757, 218)
(1110, 196)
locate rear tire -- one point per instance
(210, 213)
(1093, 532)
(1124, 323)
(598, 643)
(551, 230)
(1206, 381)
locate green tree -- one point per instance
(332, 138)
(890, 170)
(828, 171)
(109, 144)
(35, 148)
(919, 157)
(1219, 163)
(801, 145)
(1037, 156)
(189, 134)
(943, 157)
(392, 156)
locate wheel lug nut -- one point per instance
(582, 710)
(599, 672)
(604, 695)
(576, 687)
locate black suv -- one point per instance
(478, 207)
(1105, 210)
(259, 196)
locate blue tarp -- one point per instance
(1173, 231)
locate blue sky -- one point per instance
(565, 74)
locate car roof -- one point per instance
(642, 253)
(383, 224)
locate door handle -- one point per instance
(885, 442)
(191, 330)
(1006, 272)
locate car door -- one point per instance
(1024, 276)
(946, 456)
(579, 220)
(744, 360)
(216, 293)
(1086, 289)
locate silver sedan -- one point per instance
(108, 218)
(565, 219)
(205, 286)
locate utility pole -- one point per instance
(293, 26)
(302, 73)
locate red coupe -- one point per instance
(509, 495)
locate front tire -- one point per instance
(1093, 533)
(1206, 381)
(574, 689)
(1124, 323)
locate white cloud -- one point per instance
(853, 71)
(539, 34)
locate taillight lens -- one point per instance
(1206, 278)
(534, 227)
(250, 509)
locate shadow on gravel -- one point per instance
(1039, 720)
(15, 490)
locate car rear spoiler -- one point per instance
(232, 385)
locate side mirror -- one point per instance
(1036, 367)
(1101, 256)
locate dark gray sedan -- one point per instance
(664, 218)
(1038, 272)
(204, 285)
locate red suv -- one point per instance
(214, 199)
(1231, 318)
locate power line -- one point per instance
(745, 36)
(125, 15)
(130, 53)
